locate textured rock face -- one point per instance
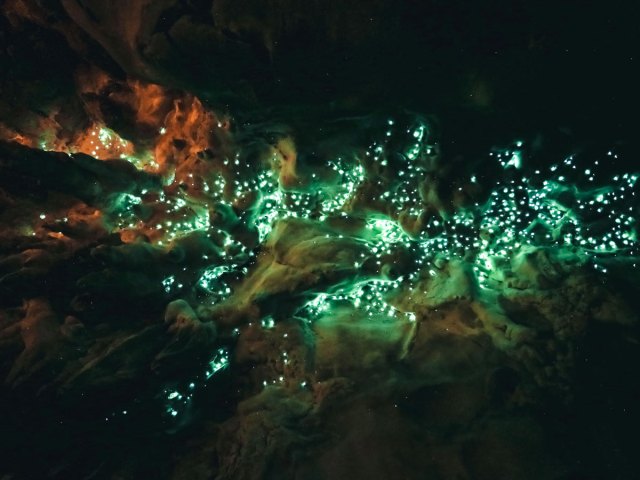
(502, 56)
(245, 293)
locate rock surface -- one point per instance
(208, 270)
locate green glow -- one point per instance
(518, 213)
(178, 400)
(211, 281)
(516, 160)
(168, 282)
(367, 198)
(268, 322)
(217, 363)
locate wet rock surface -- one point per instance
(209, 270)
